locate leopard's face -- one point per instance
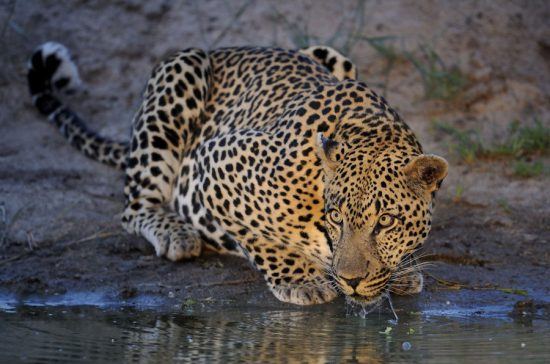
(376, 214)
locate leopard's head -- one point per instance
(378, 210)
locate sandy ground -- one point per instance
(59, 213)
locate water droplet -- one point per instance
(406, 346)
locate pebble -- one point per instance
(406, 346)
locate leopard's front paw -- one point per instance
(305, 294)
(183, 245)
(176, 244)
(408, 284)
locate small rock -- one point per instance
(128, 292)
(524, 311)
(503, 221)
(524, 308)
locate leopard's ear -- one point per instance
(426, 172)
(327, 150)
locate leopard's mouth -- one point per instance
(365, 292)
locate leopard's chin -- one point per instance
(364, 301)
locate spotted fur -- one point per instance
(278, 156)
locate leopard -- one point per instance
(279, 156)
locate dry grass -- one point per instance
(523, 145)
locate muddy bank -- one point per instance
(59, 215)
(481, 265)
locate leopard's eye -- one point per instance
(335, 216)
(386, 220)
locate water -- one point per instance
(211, 333)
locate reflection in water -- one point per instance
(315, 335)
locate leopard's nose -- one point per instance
(354, 282)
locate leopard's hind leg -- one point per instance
(164, 129)
(339, 65)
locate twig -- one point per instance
(358, 24)
(452, 259)
(99, 235)
(11, 11)
(16, 257)
(31, 244)
(236, 17)
(222, 283)
(489, 287)
(3, 223)
(198, 15)
(5, 226)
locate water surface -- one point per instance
(223, 333)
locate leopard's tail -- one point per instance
(51, 73)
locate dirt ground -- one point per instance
(59, 218)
